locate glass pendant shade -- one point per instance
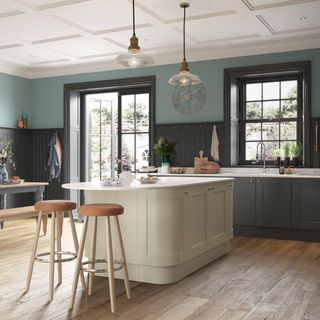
(134, 58)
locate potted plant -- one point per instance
(277, 157)
(296, 151)
(164, 148)
(286, 151)
(6, 156)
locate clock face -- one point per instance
(189, 99)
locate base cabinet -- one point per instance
(306, 204)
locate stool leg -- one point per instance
(76, 246)
(33, 252)
(110, 268)
(59, 217)
(124, 261)
(52, 254)
(45, 223)
(93, 255)
(78, 263)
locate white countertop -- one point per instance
(162, 182)
(249, 172)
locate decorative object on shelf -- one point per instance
(177, 170)
(277, 157)
(286, 150)
(6, 156)
(20, 123)
(296, 151)
(134, 57)
(24, 118)
(164, 148)
(184, 77)
(198, 162)
(189, 99)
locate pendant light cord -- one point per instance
(184, 33)
(133, 18)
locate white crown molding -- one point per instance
(57, 4)
(279, 4)
(170, 57)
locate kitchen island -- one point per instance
(170, 228)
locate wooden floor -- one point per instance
(260, 279)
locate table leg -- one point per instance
(3, 205)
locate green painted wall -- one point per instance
(42, 99)
(15, 98)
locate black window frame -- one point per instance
(232, 78)
(242, 112)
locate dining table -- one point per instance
(25, 187)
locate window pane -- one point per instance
(142, 152)
(253, 131)
(253, 111)
(128, 152)
(106, 153)
(106, 116)
(289, 109)
(251, 149)
(289, 89)
(270, 148)
(127, 113)
(271, 110)
(142, 112)
(270, 90)
(270, 130)
(94, 176)
(289, 130)
(94, 116)
(253, 91)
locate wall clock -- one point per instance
(189, 99)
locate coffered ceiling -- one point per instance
(54, 37)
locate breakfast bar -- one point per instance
(170, 228)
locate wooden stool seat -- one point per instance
(55, 205)
(93, 211)
(57, 208)
(101, 209)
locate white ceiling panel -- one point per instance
(170, 10)
(34, 26)
(38, 3)
(262, 4)
(218, 28)
(81, 47)
(289, 18)
(151, 37)
(8, 5)
(102, 14)
(30, 55)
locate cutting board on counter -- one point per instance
(198, 161)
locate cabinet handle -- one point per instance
(251, 180)
(186, 192)
(259, 181)
(211, 188)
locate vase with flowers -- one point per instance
(164, 148)
(6, 157)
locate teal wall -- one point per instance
(42, 99)
(15, 98)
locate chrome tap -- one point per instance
(263, 156)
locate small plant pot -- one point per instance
(295, 161)
(277, 161)
(286, 161)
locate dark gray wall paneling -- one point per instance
(189, 139)
(30, 148)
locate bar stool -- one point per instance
(100, 210)
(57, 208)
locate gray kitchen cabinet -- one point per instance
(306, 204)
(244, 202)
(273, 202)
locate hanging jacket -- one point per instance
(55, 157)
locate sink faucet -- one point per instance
(263, 155)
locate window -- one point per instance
(117, 127)
(270, 112)
(269, 104)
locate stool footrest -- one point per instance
(71, 255)
(94, 270)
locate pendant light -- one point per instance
(134, 57)
(184, 77)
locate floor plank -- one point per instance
(261, 279)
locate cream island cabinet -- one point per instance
(170, 228)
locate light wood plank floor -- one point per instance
(260, 279)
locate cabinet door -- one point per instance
(244, 202)
(273, 202)
(306, 203)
